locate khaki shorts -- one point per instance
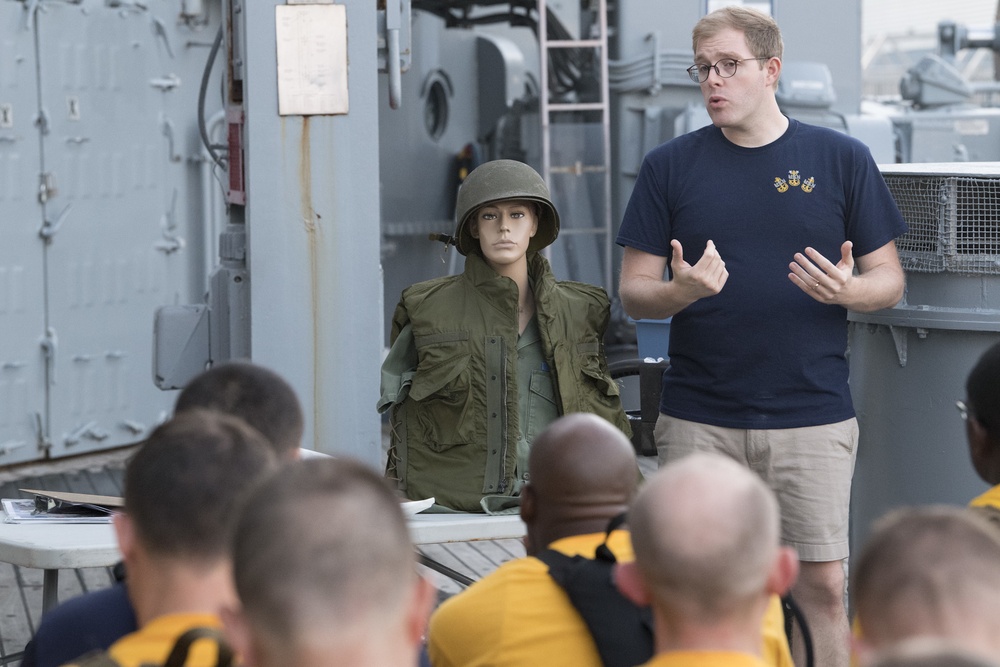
(808, 468)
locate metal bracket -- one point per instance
(393, 54)
(168, 132)
(899, 340)
(50, 345)
(166, 83)
(51, 227)
(46, 187)
(90, 431)
(160, 30)
(654, 37)
(171, 242)
(12, 445)
(44, 444)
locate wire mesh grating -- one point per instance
(954, 223)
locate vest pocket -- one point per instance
(441, 417)
(593, 371)
(542, 408)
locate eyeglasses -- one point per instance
(725, 68)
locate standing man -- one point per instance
(762, 221)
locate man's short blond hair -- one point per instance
(762, 32)
(706, 531)
(928, 571)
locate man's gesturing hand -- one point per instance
(705, 278)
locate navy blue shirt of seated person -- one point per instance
(91, 621)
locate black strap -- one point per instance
(622, 631)
(179, 654)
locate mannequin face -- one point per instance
(504, 230)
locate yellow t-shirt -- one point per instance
(519, 616)
(704, 659)
(989, 499)
(153, 642)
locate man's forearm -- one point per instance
(879, 287)
(651, 299)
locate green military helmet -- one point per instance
(500, 180)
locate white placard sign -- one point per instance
(312, 59)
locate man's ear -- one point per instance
(421, 605)
(980, 448)
(629, 583)
(529, 503)
(862, 653)
(784, 571)
(473, 228)
(125, 534)
(237, 632)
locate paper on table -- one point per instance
(411, 507)
(102, 503)
(21, 510)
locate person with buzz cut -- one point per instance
(708, 558)
(326, 572)
(183, 489)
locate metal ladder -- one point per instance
(580, 166)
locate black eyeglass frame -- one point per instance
(694, 72)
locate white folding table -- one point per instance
(54, 547)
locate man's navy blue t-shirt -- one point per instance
(761, 353)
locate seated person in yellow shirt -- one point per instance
(981, 412)
(583, 476)
(708, 558)
(326, 572)
(931, 572)
(182, 490)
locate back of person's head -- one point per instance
(762, 33)
(706, 536)
(928, 572)
(185, 484)
(582, 473)
(982, 398)
(255, 394)
(325, 570)
(930, 652)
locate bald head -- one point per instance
(583, 473)
(706, 534)
(929, 571)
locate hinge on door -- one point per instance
(44, 444)
(46, 187)
(49, 344)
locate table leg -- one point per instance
(50, 590)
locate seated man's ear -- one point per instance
(237, 632)
(784, 571)
(125, 534)
(529, 503)
(424, 597)
(629, 583)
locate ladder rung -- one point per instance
(580, 106)
(579, 169)
(574, 43)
